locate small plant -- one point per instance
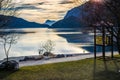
(40, 51)
(47, 47)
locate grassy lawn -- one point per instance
(86, 69)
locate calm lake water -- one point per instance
(67, 41)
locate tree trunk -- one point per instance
(103, 41)
(118, 37)
(118, 44)
(7, 58)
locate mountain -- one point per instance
(77, 12)
(70, 22)
(73, 18)
(83, 15)
(15, 22)
(49, 22)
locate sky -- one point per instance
(41, 10)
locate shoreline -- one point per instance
(35, 57)
(56, 59)
(64, 59)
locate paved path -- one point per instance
(57, 60)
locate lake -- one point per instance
(67, 41)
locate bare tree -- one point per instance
(104, 13)
(7, 8)
(114, 7)
(47, 47)
(7, 40)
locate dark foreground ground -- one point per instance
(87, 69)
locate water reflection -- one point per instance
(29, 43)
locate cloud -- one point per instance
(30, 6)
(36, 4)
(66, 2)
(41, 3)
(24, 6)
(27, 7)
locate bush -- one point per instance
(9, 65)
(49, 54)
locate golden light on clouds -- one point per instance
(98, 1)
(79, 2)
(42, 10)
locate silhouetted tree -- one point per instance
(104, 13)
(7, 8)
(7, 40)
(47, 47)
(114, 7)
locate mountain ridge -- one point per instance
(15, 22)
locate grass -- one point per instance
(86, 69)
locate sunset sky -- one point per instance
(42, 10)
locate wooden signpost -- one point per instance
(103, 40)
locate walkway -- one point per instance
(57, 60)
